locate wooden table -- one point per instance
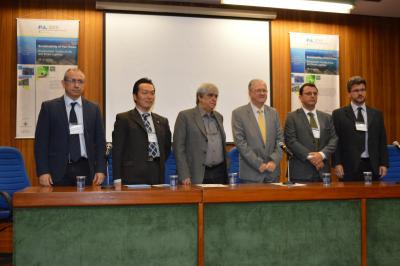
(343, 224)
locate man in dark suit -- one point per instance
(69, 137)
(362, 136)
(199, 140)
(310, 135)
(141, 140)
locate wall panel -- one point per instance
(369, 46)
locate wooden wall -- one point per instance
(369, 46)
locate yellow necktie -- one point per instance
(261, 125)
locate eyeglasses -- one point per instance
(212, 95)
(311, 93)
(75, 81)
(359, 90)
(261, 91)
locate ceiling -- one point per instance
(382, 8)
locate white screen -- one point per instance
(178, 54)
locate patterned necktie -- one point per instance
(261, 125)
(74, 143)
(313, 125)
(153, 146)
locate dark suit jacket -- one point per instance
(130, 146)
(300, 140)
(349, 149)
(52, 138)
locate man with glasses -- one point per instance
(257, 133)
(310, 135)
(141, 139)
(362, 136)
(69, 137)
(199, 140)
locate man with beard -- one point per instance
(362, 137)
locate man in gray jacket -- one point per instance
(257, 133)
(199, 140)
(310, 135)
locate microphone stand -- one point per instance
(288, 182)
(107, 185)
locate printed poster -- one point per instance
(45, 50)
(315, 58)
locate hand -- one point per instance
(187, 181)
(45, 180)
(315, 158)
(98, 179)
(271, 166)
(320, 166)
(382, 171)
(339, 170)
(263, 167)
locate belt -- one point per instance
(364, 159)
(214, 166)
(79, 160)
(153, 159)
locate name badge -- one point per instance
(75, 129)
(152, 137)
(315, 132)
(361, 126)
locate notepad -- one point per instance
(138, 186)
(161, 185)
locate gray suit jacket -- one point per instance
(300, 140)
(253, 152)
(190, 144)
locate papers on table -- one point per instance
(138, 186)
(211, 185)
(291, 185)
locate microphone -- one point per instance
(108, 149)
(285, 149)
(107, 182)
(396, 144)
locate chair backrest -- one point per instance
(170, 167)
(393, 174)
(13, 175)
(233, 157)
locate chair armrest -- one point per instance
(7, 198)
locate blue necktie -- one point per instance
(74, 143)
(153, 146)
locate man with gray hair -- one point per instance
(199, 140)
(257, 133)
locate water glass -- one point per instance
(80, 182)
(233, 179)
(367, 178)
(326, 179)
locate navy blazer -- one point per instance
(52, 138)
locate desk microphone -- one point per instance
(107, 183)
(285, 149)
(396, 144)
(108, 149)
